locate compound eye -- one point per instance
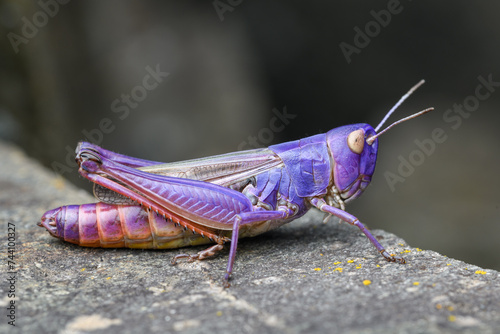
(356, 141)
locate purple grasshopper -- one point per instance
(148, 204)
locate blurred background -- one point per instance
(175, 80)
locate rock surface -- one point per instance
(306, 277)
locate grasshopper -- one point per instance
(219, 199)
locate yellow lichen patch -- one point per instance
(481, 272)
(338, 269)
(450, 308)
(83, 269)
(317, 269)
(401, 244)
(378, 265)
(452, 318)
(219, 313)
(108, 277)
(418, 249)
(439, 306)
(367, 282)
(320, 254)
(337, 262)
(448, 264)
(416, 283)
(350, 261)
(407, 251)
(358, 266)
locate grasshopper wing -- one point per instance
(224, 170)
(192, 203)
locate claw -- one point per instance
(209, 252)
(391, 258)
(225, 281)
(179, 256)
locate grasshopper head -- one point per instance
(354, 158)
(353, 149)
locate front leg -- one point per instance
(347, 217)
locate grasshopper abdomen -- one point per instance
(116, 226)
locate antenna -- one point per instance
(401, 100)
(371, 139)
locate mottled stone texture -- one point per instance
(306, 277)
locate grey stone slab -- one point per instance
(306, 277)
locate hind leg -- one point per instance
(201, 255)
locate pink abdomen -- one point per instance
(115, 226)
